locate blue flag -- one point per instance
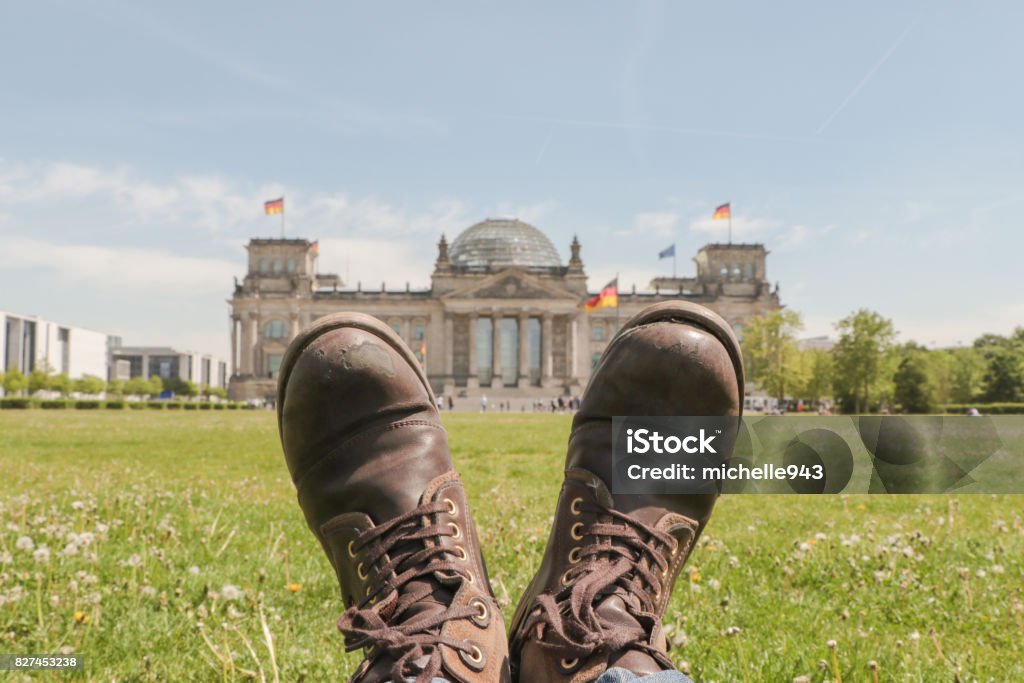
(665, 253)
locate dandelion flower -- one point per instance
(81, 617)
(294, 587)
(24, 543)
(231, 592)
(42, 554)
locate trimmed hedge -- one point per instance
(115, 405)
(190, 406)
(203, 406)
(136, 405)
(55, 404)
(987, 408)
(173, 405)
(17, 402)
(88, 405)
(232, 406)
(217, 406)
(155, 405)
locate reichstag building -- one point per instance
(504, 315)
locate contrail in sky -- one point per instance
(665, 129)
(867, 76)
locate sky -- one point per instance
(875, 148)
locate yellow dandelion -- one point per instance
(294, 587)
(862, 507)
(694, 575)
(81, 617)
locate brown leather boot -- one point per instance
(370, 460)
(606, 578)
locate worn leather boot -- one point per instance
(607, 575)
(370, 460)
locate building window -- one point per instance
(291, 265)
(750, 271)
(277, 266)
(263, 265)
(397, 327)
(597, 333)
(736, 270)
(595, 358)
(275, 329)
(738, 331)
(420, 332)
(273, 364)
(724, 270)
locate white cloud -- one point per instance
(656, 223)
(371, 261)
(743, 228)
(143, 271)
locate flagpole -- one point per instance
(730, 222)
(616, 303)
(282, 216)
(673, 261)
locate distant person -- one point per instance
(440, 403)
(973, 412)
(483, 403)
(451, 403)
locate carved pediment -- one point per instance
(511, 284)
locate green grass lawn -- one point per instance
(175, 551)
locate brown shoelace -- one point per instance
(611, 565)
(413, 563)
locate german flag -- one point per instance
(608, 297)
(722, 212)
(274, 206)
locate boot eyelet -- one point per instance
(574, 555)
(351, 550)
(475, 658)
(568, 664)
(469, 576)
(458, 531)
(483, 618)
(367, 591)
(460, 552)
(574, 505)
(565, 578)
(453, 509)
(576, 531)
(362, 575)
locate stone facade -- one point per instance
(502, 312)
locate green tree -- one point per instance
(137, 386)
(156, 385)
(863, 358)
(967, 366)
(14, 382)
(90, 384)
(62, 384)
(115, 387)
(818, 375)
(771, 353)
(1004, 378)
(39, 379)
(912, 389)
(219, 392)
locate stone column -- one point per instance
(293, 321)
(145, 366)
(407, 332)
(234, 344)
(449, 347)
(473, 381)
(524, 349)
(245, 350)
(570, 347)
(254, 343)
(545, 350)
(496, 380)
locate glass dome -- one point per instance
(498, 242)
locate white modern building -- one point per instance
(28, 342)
(201, 369)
